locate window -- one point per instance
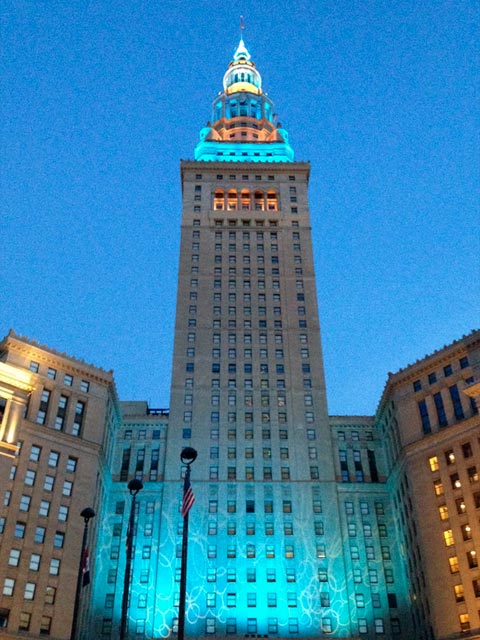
(291, 599)
(438, 487)
(466, 531)
(453, 562)
(19, 531)
(8, 586)
(68, 380)
(455, 481)
(35, 453)
(422, 407)
(63, 513)
(442, 417)
(53, 459)
(71, 465)
(448, 537)
(54, 568)
(379, 625)
(457, 403)
(24, 503)
(59, 539)
(359, 600)
(67, 488)
(14, 557)
(39, 534)
(251, 599)
(45, 625)
(472, 559)
(459, 593)
(433, 462)
(29, 478)
(29, 592)
(24, 621)
(476, 588)
(467, 450)
(443, 512)
(362, 625)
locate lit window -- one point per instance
(443, 512)
(459, 594)
(438, 487)
(448, 537)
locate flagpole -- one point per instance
(187, 456)
(134, 486)
(87, 514)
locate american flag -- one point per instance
(86, 569)
(188, 498)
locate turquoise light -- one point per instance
(213, 151)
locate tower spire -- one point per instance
(243, 126)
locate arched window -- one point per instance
(259, 201)
(245, 199)
(232, 200)
(219, 200)
(272, 201)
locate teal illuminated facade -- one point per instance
(278, 545)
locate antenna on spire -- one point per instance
(242, 26)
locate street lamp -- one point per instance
(87, 514)
(187, 456)
(134, 486)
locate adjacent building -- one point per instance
(304, 525)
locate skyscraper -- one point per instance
(248, 390)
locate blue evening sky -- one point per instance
(102, 98)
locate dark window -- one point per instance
(457, 403)
(442, 418)
(422, 406)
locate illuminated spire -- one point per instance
(241, 52)
(243, 125)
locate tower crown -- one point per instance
(242, 75)
(243, 127)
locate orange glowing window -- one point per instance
(259, 201)
(245, 199)
(219, 200)
(272, 202)
(232, 200)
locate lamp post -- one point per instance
(134, 486)
(87, 514)
(187, 456)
